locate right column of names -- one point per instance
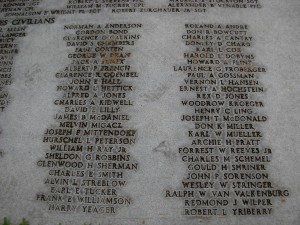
(226, 156)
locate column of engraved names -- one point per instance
(226, 157)
(8, 50)
(88, 152)
(10, 32)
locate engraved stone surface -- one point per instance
(128, 112)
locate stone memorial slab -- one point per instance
(158, 112)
